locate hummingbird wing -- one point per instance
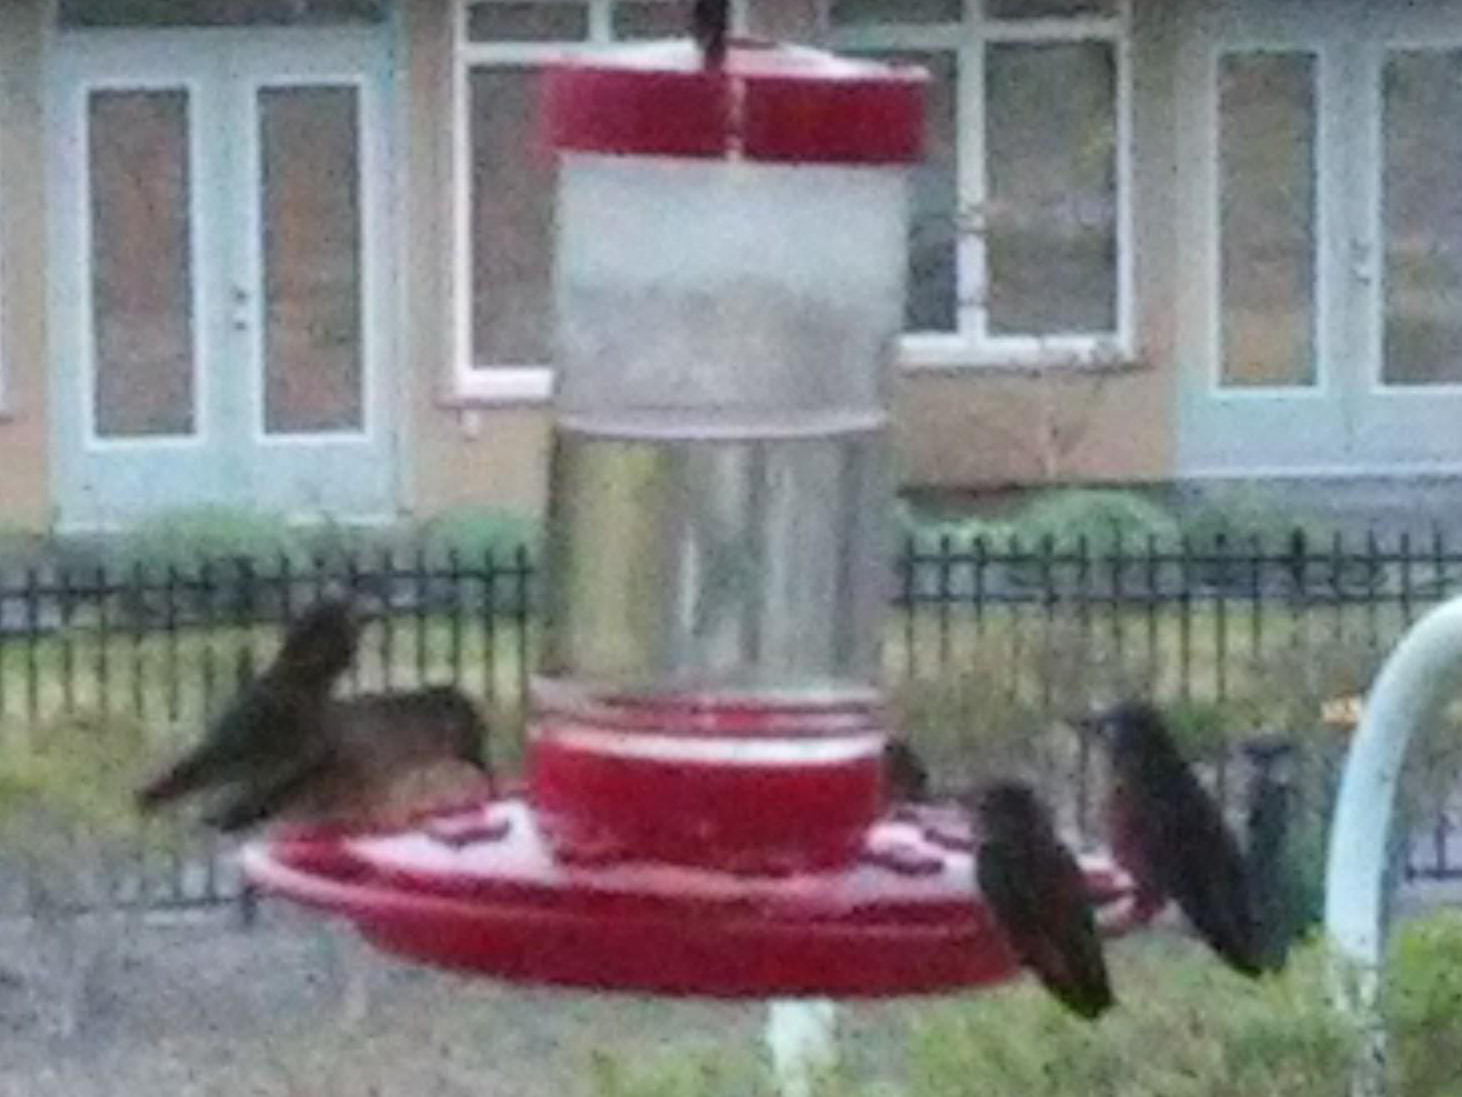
(1037, 894)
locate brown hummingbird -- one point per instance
(708, 27)
(1037, 893)
(277, 721)
(389, 756)
(1170, 836)
(905, 777)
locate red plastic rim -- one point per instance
(767, 102)
(478, 889)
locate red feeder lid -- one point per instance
(766, 102)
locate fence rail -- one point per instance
(140, 657)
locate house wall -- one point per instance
(952, 428)
(453, 454)
(23, 452)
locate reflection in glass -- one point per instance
(217, 13)
(652, 18)
(1422, 218)
(141, 266)
(933, 217)
(1051, 209)
(528, 21)
(312, 276)
(512, 222)
(1266, 104)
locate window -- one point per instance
(505, 190)
(1020, 242)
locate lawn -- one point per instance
(207, 1010)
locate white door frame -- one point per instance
(1347, 423)
(229, 458)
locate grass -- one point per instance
(1186, 1027)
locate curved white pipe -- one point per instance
(1419, 676)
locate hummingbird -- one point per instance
(277, 721)
(708, 28)
(1037, 894)
(1170, 836)
(905, 777)
(390, 755)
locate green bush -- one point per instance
(183, 537)
(1104, 518)
(474, 533)
(1424, 1005)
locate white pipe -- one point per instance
(1420, 675)
(802, 1037)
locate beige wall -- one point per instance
(452, 455)
(23, 471)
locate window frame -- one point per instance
(503, 382)
(970, 345)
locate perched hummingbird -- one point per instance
(1037, 893)
(905, 777)
(1170, 836)
(277, 721)
(389, 756)
(708, 28)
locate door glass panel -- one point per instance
(218, 13)
(310, 150)
(142, 327)
(511, 222)
(1051, 209)
(1422, 218)
(1266, 195)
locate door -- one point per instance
(1408, 129)
(221, 315)
(1319, 312)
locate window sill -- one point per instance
(956, 354)
(499, 387)
(532, 386)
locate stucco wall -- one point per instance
(23, 475)
(452, 455)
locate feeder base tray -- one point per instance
(480, 889)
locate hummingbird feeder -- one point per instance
(704, 810)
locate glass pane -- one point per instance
(527, 21)
(897, 11)
(1047, 9)
(311, 203)
(652, 18)
(142, 326)
(1051, 206)
(217, 13)
(933, 289)
(1423, 218)
(512, 222)
(1266, 104)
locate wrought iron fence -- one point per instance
(1261, 634)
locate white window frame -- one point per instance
(971, 345)
(503, 382)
